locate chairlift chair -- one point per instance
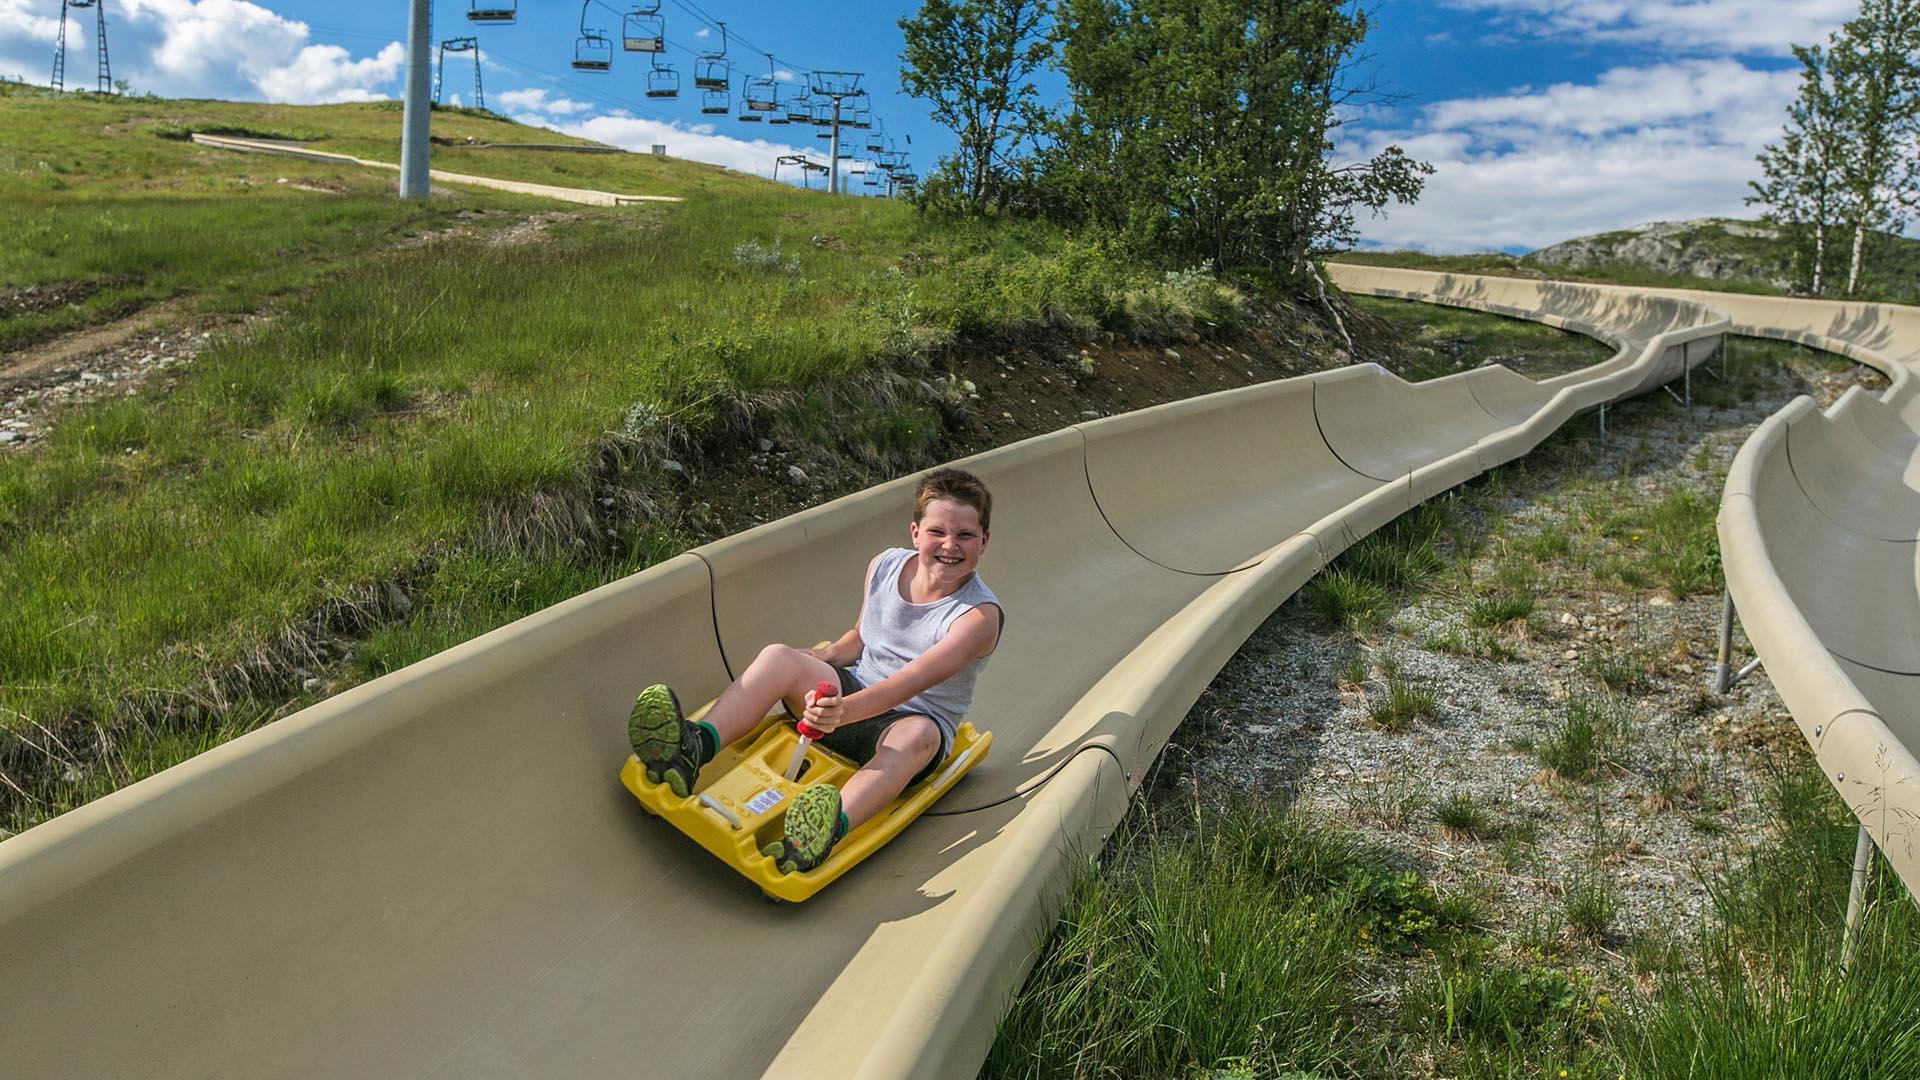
(762, 95)
(493, 12)
(644, 29)
(800, 109)
(872, 180)
(823, 113)
(862, 118)
(593, 51)
(876, 143)
(715, 102)
(711, 71)
(662, 80)
(747, 113)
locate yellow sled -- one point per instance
(739, 802)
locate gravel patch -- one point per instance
(118, 366)
(1679, 786)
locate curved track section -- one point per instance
(1820, 535)
(437, 874)
(1819, 532)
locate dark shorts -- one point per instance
(858, 742)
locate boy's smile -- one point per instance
(949, 540)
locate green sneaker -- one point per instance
(813, 827)
(669, 748)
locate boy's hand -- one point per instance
(824, 713)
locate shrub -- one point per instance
(754, 255)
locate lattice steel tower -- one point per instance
(460, 45)
(103, 70)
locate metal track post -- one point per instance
(418, 110)
(1724, 677)
(1720, 680)
(1857, 897)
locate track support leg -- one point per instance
(1857, 897)
(1603, 423)
(1724, 678)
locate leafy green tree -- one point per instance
(1875, 59)
(1200, 130)
(973, 62)
(1800, 175)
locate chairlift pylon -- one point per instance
(593, 51)
(712, 71)
(493, 12)
(644, 29)
(662, 80)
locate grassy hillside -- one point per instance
(441, 419)
(110, 200)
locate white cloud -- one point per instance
(703, 33)
(536, 101)
(202, 48)
(1529, 168)
(329, 73)
(27, 36)
(1686, 27)
(698, 142)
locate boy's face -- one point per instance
(949, 540)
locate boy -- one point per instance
(906, 673)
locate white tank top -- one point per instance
(894, 632)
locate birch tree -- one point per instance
(1800, 175)
(1875, 60)
(973, 62)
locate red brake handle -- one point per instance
(808, 731)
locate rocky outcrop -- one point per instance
(1721, 249)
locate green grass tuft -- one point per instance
(1501, 608)
(1590, 728)
(1462, 815)
(1402, 704)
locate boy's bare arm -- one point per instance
(971, 635)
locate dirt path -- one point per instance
(48, 355)
(112, 360)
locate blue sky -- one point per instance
(1546, 119)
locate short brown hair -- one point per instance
(954, 485)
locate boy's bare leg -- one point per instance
(779, 673)
(904, 750)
